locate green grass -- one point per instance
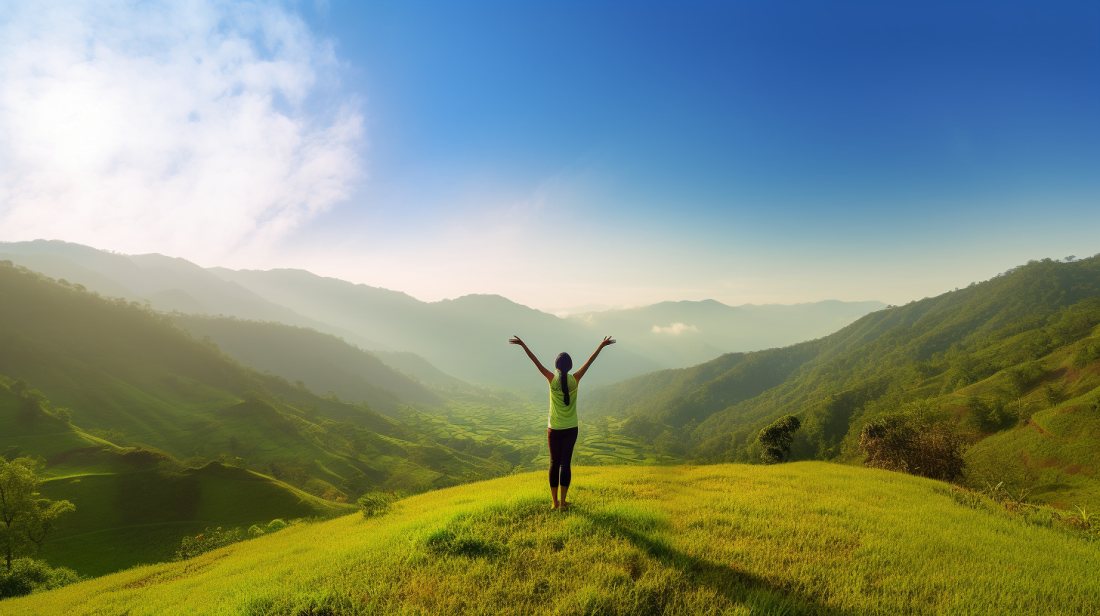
(803, 538)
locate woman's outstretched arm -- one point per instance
(546, 373)
(579, 373)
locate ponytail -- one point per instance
(564, 363)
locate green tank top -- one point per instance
(562, 417)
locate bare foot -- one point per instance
(554, 506)
(564, 506)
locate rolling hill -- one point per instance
(797, 539)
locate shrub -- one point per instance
(28, 575)
(376, 503)
(206, 541)
(276, 525)
(894, 443)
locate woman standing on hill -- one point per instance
(561, 426)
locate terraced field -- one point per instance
(523, 425)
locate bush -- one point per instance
(28, 575)
(376, 503)
(206, 541)
(274, 526)
(894, 443)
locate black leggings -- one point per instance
(561, 452)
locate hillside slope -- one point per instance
(797, 539)
(322, 361)
(985, 359)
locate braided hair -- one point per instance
(564, 364)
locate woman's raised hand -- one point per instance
(607, 342)
(515, 340)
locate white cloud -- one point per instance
(675, 329)
(177, 127)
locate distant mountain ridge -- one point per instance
(465, 337)
(685, 333)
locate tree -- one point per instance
(777, 439)
(25, 519)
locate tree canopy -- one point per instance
(26, 519)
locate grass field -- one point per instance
(803, 538)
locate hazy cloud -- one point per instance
(181, 127)
(675, 329)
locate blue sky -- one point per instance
(570, 153)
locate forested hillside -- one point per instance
(988, 360)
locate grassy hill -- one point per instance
(995, 360)
(803, 538)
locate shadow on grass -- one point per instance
(740, 587)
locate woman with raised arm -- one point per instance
(561, 426)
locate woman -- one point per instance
(561, 426)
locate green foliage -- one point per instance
(990, 415)
(1086, 354)
(209, 539)
(259, 530)
(26, 575)
(776, 439)
(26, 519)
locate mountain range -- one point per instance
(462, 338)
